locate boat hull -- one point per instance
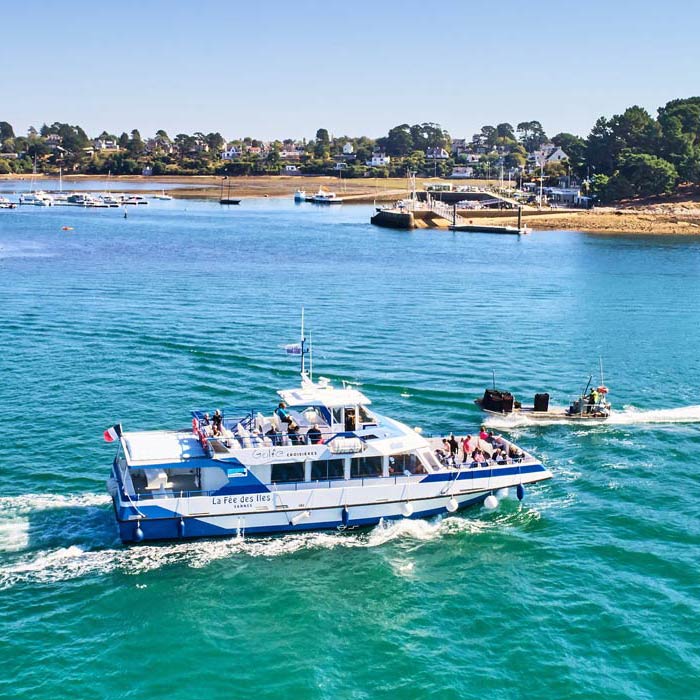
(326, 507)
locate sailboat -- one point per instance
(163, 196)
(227, 199)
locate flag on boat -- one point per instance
(111, 434)
(293, 349)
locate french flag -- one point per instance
(111, 434)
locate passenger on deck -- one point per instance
(454, 446)
(468, 445)
(515, 454)
(206, 420)
(217, 423)
(483, 435)
(499, 442)
(314, 435)
(478, 457)
(283, 413)
(293, 432)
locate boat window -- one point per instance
(337, 415)
(365, 415)
(324, 469)
(288, 471)
(405, 462)
(365, 466)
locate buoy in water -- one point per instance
(520, 491)
(66, 228)
(490, 502)
(502, 493)
(406, 509)
(138, 533)
(452, 505)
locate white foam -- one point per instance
(629, 415)
(73, 562)
(14, 534)
(32, 502)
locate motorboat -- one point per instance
(37, 199)
(300, 196)
(162, 196)
(5, 203)
(323, 460)
(325, 197)
(591, 405)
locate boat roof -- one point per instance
(322, 392)
(161, 446)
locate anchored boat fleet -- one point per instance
(323, 459)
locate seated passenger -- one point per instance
(478, 457)
(293, 433)
(282, 413)
(515, 454)
(313, 435)
(499, 442)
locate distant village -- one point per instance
(627, 155)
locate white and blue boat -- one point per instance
(323, 460)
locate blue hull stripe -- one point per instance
(169, 529)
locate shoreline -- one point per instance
(671, 218)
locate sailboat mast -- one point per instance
(303, 341)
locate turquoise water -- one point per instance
(588, 589)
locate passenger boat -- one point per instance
(325, 197)
(300, 196)
(326, 460)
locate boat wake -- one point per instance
(79, 560)
(628, 416)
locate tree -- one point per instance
(399, 142)
(6, 131)
(136, 146)
(532, 135)
(124, 140)
(679, 121)
(322, 136)
(505, 131)
(489, 134)
(647, 174)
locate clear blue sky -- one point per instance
(283, 69)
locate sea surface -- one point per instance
(588, 589)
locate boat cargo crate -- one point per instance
(497, 401)
(542, 402)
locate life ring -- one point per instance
(195, 425)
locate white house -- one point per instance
(291, 170)
(435, 153)
(348, 149)
(462, 171)
(549, 153)
(291, 153)
(105, 145)
(231, 152)
(379, 160)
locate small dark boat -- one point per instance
(591, 405)
(229, 201)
